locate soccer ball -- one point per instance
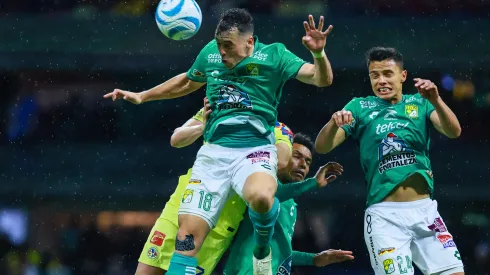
(178, 19)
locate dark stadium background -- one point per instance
(82, 179)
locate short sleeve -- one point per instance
(353, 107)
(283, 134)
(197, 72)
(199, 116)
(290, 63)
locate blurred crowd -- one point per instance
(456, 8)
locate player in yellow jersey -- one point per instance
(160, 245)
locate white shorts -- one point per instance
(397, 233)
(219, 172)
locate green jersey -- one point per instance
(240, 259)
(244, 99)
(393, 140)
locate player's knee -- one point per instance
(261, 200)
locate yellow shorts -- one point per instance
(160, 246)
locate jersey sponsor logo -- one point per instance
(152, 253)
(383, 251)
(229, 78)
(214, 58)
(260, 56)
(438, 226)
(393, 153)
(412, 111)
(252, 69)
(368, 104)
(390, 115)
(259, 154)
(194, 181)
(446, 240)
(412, 99)
(389, 266)
(285, 267)
(372, 250)
(187, 197)
(383, 128)
(230, 97)
(157, 238)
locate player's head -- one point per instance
(299, 164)
(386, 72)
(234, 35)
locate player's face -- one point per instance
(298, 166)
(387, 78)
(234, 47)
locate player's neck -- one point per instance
(396, 99)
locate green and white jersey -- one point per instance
(393, 140)
(240, 260)
(244, 99)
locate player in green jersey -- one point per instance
(401, 224)
(244, 83)
(292, 183)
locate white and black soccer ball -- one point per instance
(178, 19)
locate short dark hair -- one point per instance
(235, 18)
(304, 140)
(382, 53)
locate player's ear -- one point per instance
(250, 41)
(404, 75)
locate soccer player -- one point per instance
(244, 82)
(401, 223)
(238, 262)
(158, 249)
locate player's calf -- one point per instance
(259, 191)
(190, 237)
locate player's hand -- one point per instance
(427, 89)
(315, 38)
(328, 173)
(134, 98)
(207, 111)
(332, 256)
(342, 118)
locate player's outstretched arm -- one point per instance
(331, 134)
(177, 86)
(188, 133)
(320, 74)
(443, 119)
(323, 258)
(325, 175)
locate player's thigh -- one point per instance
(434, 249)
(388, 243)
(211, 252)
(209, 186)
(255, 173)
(159, 246)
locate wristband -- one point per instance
(318, 55)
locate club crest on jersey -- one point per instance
(412, 111)
(393, 153)
(252, 69)
(388, 266)
(285, 130)
(230, 97)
